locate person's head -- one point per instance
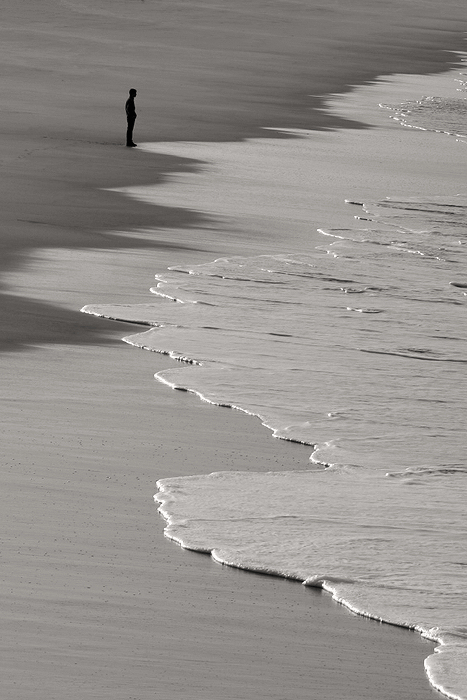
(132, 92)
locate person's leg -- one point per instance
(129, 132)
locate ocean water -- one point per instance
(351, 341)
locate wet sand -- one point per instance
(96, 603)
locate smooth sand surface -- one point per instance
(95, 602)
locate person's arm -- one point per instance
(130, 108)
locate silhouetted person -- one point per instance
(130, 117)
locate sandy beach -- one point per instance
(96, 602)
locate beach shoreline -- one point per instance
(97, 602)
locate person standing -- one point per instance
(130, 110)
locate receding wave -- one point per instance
(425, 355)
(381, 567)
(341, 379)
(447, 470)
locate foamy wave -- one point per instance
(446, 670)
(126, 313)
(180, 387)
(282, 524)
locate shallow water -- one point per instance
(442, 114)
(355, 346)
